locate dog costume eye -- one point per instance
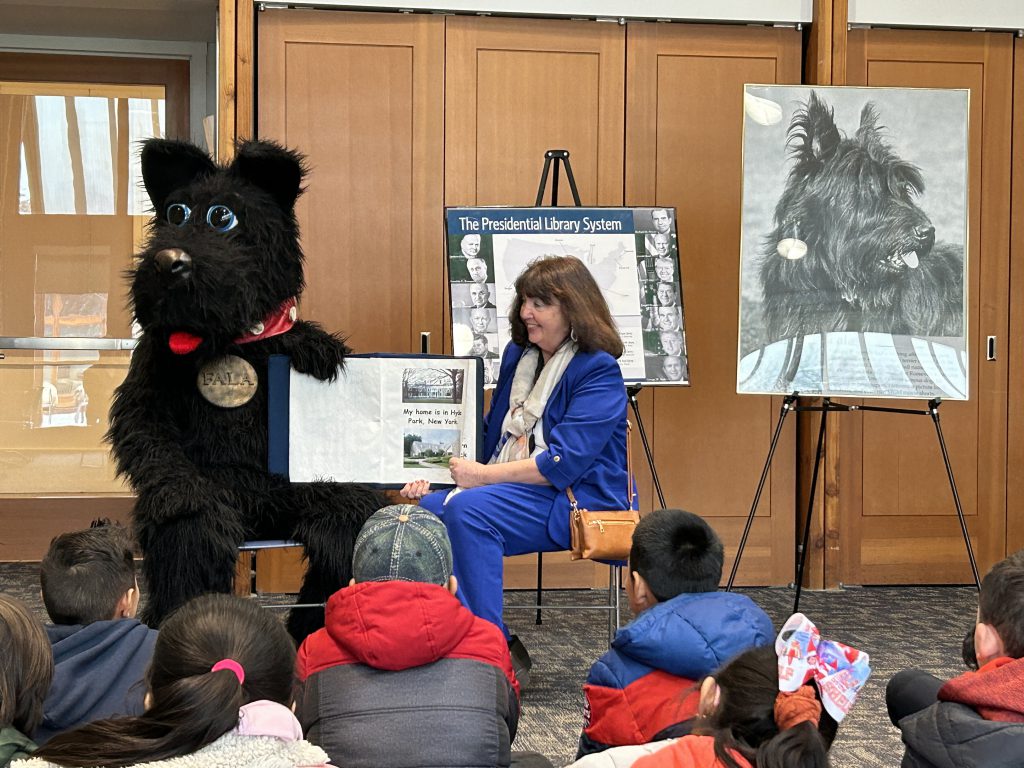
(178, 214)
(221, 218)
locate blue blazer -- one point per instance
(585, 432)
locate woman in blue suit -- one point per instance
(557, 419)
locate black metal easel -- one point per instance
(561, 156)
(827, 406)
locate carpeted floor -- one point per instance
(898, 626)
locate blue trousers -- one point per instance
(486, 524)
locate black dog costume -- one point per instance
(214, 291)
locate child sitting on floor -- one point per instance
(976, 719)
(685, 630)
(767, 708)
(100, 650)
(403, 674)
(26, 667)
(220, 692)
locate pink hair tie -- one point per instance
(231, 664)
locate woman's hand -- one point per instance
(467, 473)
(416, 489)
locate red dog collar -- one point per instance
(279, 321)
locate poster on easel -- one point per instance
(384, 421)
(853, 265)
(633, 254)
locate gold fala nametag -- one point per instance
(227, 381)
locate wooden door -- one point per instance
(897, 521)
(515, 88)
(361, 95)
(684, 114)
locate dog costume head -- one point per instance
(223, 261)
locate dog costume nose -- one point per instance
(174, 261)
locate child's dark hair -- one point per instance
(26, 666)
(85, 573)
(191, 706)
(676, 552)
(744, 720)
(1001, 603)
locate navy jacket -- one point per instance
(647, 681)
(98, 673)
(585, 432)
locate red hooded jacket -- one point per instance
(403, 675)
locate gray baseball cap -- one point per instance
(403, 542)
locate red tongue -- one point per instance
(183, 342)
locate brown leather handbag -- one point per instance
(604, 535)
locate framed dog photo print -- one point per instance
(633, 254)
(853, 263)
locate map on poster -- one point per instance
(633, 254)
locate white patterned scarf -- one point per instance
(528, 398)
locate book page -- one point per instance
(385, 420)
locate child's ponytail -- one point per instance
(213, 655)
(190, 713)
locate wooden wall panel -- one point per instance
(227, 102)
(683, 148)
(361, 95)
(245, 65)
(30, 524)
(518, 87)
(898, 520)
(1013, 345)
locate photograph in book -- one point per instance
(430, 448)
(633, 254)
(386, 420)
(853, 264)
(433, 385)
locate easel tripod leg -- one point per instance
(787, 406)
(802, 562)
(933, 409)
(647, 446)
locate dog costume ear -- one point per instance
(171, 165)
(272, 168)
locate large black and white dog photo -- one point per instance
(854, 226)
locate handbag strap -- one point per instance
(630, 488)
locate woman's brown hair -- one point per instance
(566, 280)
(191, 706)
(26, 666)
